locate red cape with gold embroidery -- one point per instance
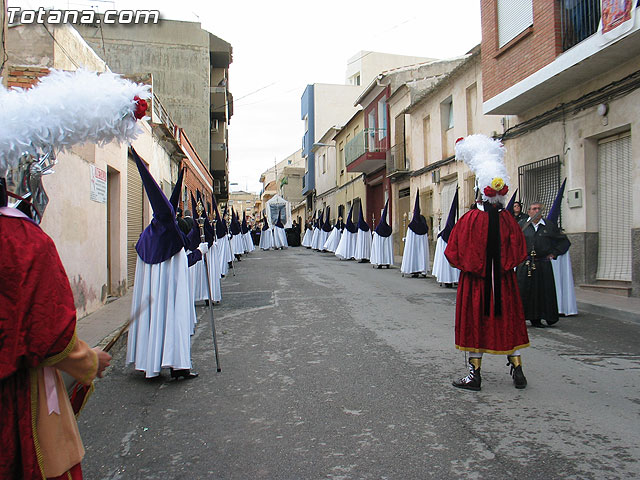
(467, 251)
(37, 321)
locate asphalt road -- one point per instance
(337, 370)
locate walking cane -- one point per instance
(199, 210)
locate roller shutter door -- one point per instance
(614, 208)
(135, 197)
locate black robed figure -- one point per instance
(535, 276)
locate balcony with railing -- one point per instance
(367, 152)
(579, 20)
(218, 103)
(160, 116)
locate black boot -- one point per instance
(472, 381)
(519, 380)
(185, 373)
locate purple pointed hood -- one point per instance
(350, 226)
(175, 194)
(162, 238)
(384, 229)
(265, 224)
(362, 225)
(221, 227)
(326, 226)
(244, 227)
(509, 207)
(451, 219)
(235, 225)
(554, 211)
(418, 226)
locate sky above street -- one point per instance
(279, 47)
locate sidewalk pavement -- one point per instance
(104, 326)
(608, 305)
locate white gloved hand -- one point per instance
(203, 247)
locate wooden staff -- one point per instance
(199, 210)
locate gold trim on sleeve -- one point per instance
(50, 361)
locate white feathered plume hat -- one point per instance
(485, 158)
(65, 109)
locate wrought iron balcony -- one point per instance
(161, 116)
(579, 19)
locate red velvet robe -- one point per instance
(466, 250)
(37, 321)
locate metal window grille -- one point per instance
(579, 19)
(539, 182)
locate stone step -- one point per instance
(622, 289)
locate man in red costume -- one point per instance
(486, 244)
(38, 432)
(39, 436)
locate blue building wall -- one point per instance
(307, 109)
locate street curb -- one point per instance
(110, 340)
(610, 312)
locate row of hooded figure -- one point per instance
(225, 243)
(357, 242)
(175, 268)
(273, 236)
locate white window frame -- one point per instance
(382, 119)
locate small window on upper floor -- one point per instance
(514, 17)
(446, 113)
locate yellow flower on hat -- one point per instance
(497, 184)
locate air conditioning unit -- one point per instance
(435, 176)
